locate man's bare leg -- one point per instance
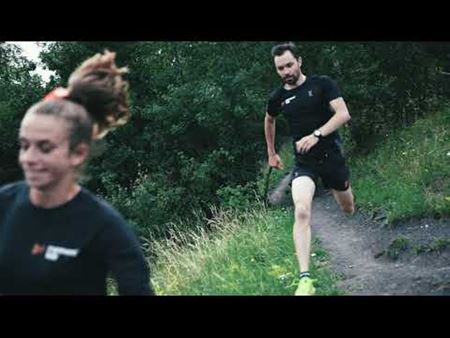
(303, 188)
(345, 200)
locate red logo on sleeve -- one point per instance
(38, 249)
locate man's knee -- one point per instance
(345, 200)
(348, 206)
(348, 209)
(302, 212)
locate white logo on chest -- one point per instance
(53, 252)
(289, 99)
(310, 93)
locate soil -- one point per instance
(371, 257)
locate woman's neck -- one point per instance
(54, 197)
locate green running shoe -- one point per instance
(305, 287)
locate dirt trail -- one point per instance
(362, 252)
(375, 259)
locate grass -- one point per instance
(397, 246)
(245, 254)
(409, 175)
(437, 245)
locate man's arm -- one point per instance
(269, 131)
(341, 116)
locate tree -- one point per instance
(18, 91)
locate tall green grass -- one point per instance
(408, 175)
(250, 253)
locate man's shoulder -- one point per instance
(320, 78)
(327, 84)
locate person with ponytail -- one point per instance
(56, 237)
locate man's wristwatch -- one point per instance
(317, 134)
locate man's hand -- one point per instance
(306, 143)
(275, 162)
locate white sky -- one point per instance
(31, 50)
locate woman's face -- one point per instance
(44, 152)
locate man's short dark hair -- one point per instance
(280, 49)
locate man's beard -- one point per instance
(291, 80)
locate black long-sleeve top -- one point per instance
(67, 250)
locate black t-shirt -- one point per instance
(68, 249)
(306, 108)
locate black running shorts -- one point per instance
(330, 167)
